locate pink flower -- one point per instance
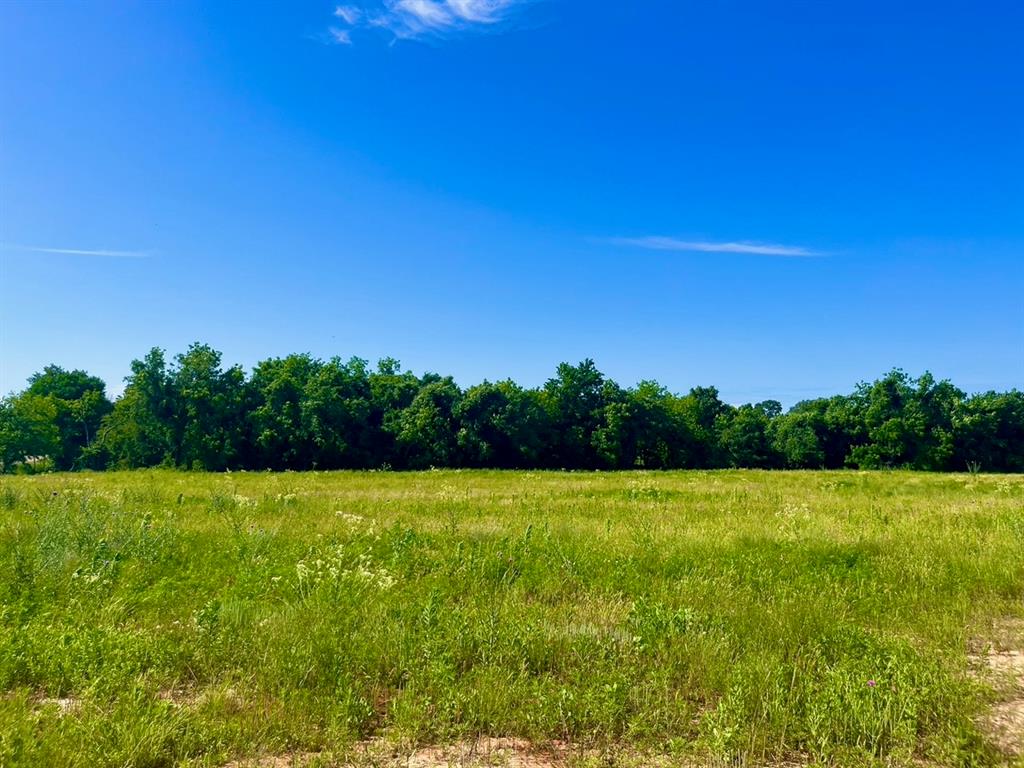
(872, 683)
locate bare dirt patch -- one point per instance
(512, 753)
(1007, 726)
(66, 705)
(178, 697)
(481, 753)
(294, 760)
(486, 752)
(1000, 662)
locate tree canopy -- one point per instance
(300, 412)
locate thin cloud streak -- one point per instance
(79, 251)
(658, 243)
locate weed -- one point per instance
(738, 617)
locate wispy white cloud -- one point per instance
(409, 19)
(77, 251)
(350, 14)
(425, 12)
(481, 11)
(340, 36)
(658, 243)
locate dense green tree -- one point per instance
(528, 423)
(988, 433)
(313, 414)
(210, 423)
(702, 412)
(131, 436)
(391, 391)
(28, 431)
(933, 410)
(614, 439)
(795, 440)
(646, 426)
(744, 435)
(891, 435)
(575, 399)
(906, 422)
(483, 439)
(659, 434)
(501, 425)
(336, 412)
(79, 402)
(299, 412)
(140, 431)
(192, 414)
(835, 425)
(426, 429)
(277, 422)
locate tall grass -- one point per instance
(159, 618)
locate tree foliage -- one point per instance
(57, 416)
(299, 412)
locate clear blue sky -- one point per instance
(779, 199)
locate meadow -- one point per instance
(162, 618)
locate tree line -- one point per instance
(299, 412)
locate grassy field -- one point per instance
(160, 618)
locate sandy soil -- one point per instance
(482, 753)
(1001, 663)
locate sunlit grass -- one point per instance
(162, 618)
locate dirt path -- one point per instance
(1001, 663)
(510, 753)
(485, 752)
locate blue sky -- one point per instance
(779, 199)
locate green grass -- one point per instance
(194, 618)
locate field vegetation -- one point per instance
(164, 618)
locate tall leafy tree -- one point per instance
(140, 431)
(935, 407)
(744, 434)
(79, 402)
(28, 430)
(280, 439)
(210, 422)
(614, 439)
(501, 425)
(702, 411)
(575, 399)
(906, 422)
(795, 439)
(891, 436)
(391, 391)
(662, 431)
(988, 433)
(336, 414)
(426, 429)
